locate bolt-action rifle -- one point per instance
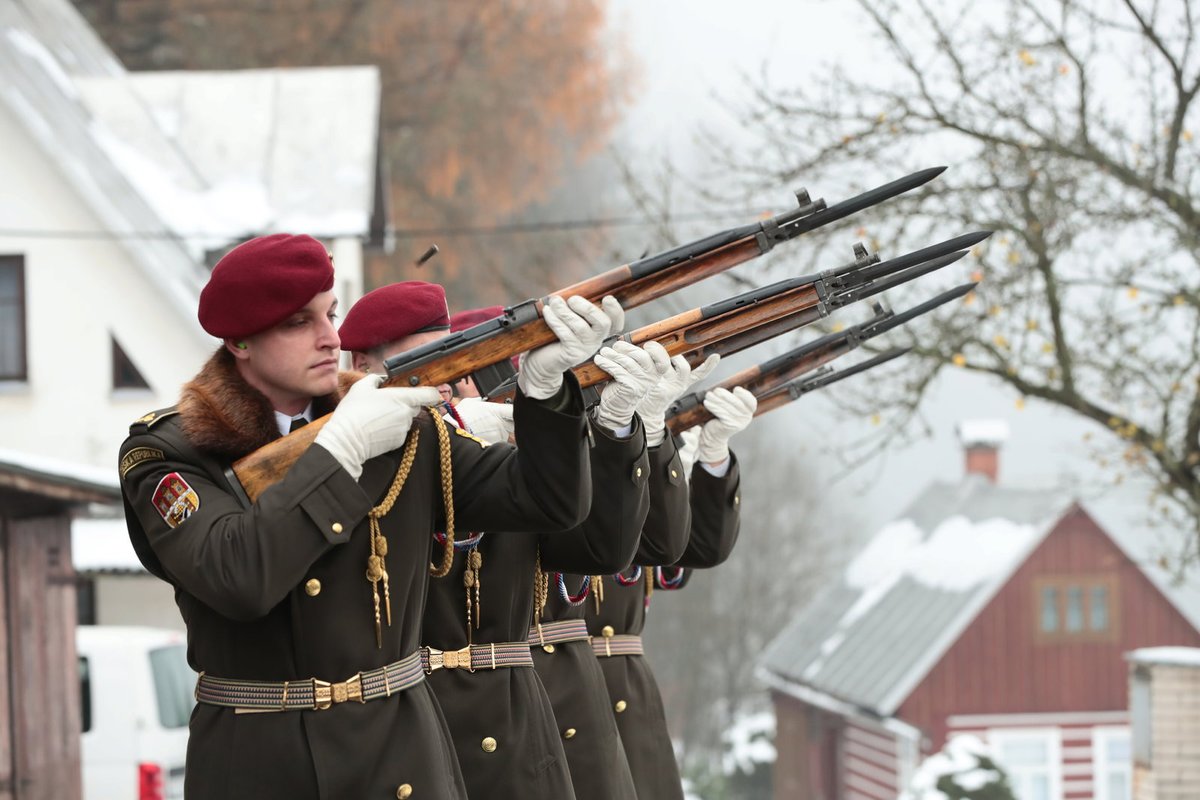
(747, 319)
(774, 375)
(483, 352)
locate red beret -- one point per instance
(392, 312)
(461, 320)
(262, 282)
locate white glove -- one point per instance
(492, 422)
(733, 412)
(679, 378)
(634, 371)
(581, 328)
(615, 313)
(687, 450)
(370, 421)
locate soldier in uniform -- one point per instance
(477, 616)
(303, 607)
(561, 646)
(617, 623)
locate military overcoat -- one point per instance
(570, 671)
(503, 726)
(715, 503)
(278, 591)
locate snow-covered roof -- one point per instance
(175, 163)
(102, 545)
(1169, 656)
(46, 47)
(225, 155)
(987, 432)
(871, 637)
(68, 473)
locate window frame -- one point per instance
(1052, 736)
(1086, 584)
(17, 260)
(1101, 768)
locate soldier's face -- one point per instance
(296, 360)
(373, 361)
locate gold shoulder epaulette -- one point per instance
(472, 437)
(148, 421)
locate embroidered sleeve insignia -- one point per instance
(175, 500)
(472, 437)
(139, 455)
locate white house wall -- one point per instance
(78, 292)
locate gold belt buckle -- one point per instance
(326, 694)
(449, 659)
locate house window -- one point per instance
(1032, 759)
(1049, 609)
(124, 374)
(12, 318)
(1098, 609)
(1112, 761)
(1076, 608)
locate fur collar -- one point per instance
(224, 416)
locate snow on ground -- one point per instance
(959, 758)
(751, 742)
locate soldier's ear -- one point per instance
(239, 349)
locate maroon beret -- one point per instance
(262, 282)
(461, 320)
(392, 312)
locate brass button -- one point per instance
(607, 631)
(336, 527)
(403, 792)
(737, 499)
(620, 706)
(549, 648)
(674, 473)
(638, 472)
(488, 745)
(313, 587)
(569, 733)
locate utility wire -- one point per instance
(402, 233)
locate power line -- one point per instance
(514, 228)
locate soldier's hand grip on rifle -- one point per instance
(634, 370)
(653, 408)
(581, 328)
(370, 421)
(732, 412)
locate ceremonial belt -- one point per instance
(477, 656)
(310, 694)
(567, 630)
(617, 645)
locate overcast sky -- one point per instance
(695, 50)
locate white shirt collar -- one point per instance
(285, 422)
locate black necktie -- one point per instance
(297, 424)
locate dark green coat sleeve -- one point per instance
(608, 538)
(241, 562)
(716, 516)
(665, 534)
(543, 487)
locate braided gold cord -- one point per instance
(376, 565)
(447, 496)
(541, 589)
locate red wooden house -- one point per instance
(987, 610)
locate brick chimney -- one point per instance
(981, 440)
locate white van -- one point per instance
(137, 695)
